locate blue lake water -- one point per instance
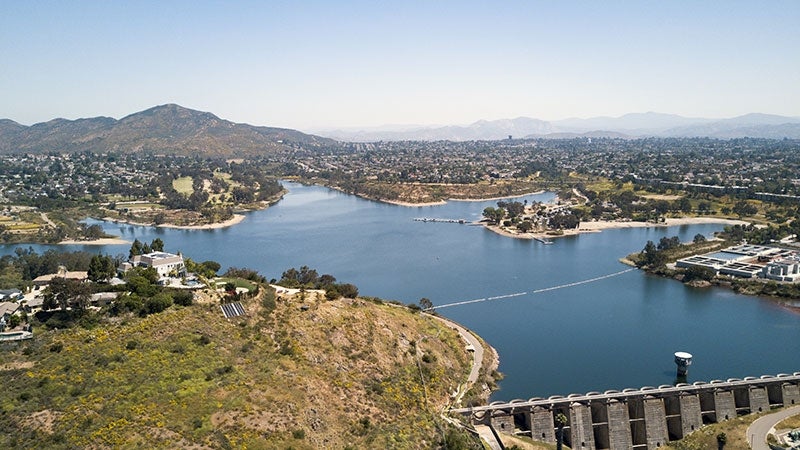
(610, 334)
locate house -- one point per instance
(103, 298)
(44, 280)
(33, 305)
(8, 309)
(10, 295)
(166, 264)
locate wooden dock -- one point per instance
(438, 220)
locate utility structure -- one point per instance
(683, 360)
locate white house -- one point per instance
(166, 264)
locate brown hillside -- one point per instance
(330, 374)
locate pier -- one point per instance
(438, 220)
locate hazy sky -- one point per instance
(307, 65)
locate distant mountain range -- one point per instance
(165, 129)
(173, 129)
(628, 126)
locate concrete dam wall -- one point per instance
(644, 418)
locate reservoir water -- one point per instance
(614, 333)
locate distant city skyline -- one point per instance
(316, 65)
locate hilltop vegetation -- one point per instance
(165, 129)
(298, 371)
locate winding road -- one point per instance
(757, 432)
(477, 354)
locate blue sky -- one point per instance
(311, 65)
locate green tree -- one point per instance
(157, 303)
(699, 238)
(64, 293)
(722, 439)
(426, 304)
(650, 256)
(685, 205)
(561, 421)
(699, 273)
(348, 290)
(157, 245)
(494, 215)
(136, 249)
(101, 268)
(212, 267)
(514, 208)
(669, 243)
(742, 208)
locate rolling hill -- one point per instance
(164, 129)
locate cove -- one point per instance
(610, 334)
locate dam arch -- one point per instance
(645, 418)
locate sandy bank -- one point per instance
(600, 225)
(211, 226)
(494, 198)
(409, 204)
(604, 225)
(102, 241)
(444, 202)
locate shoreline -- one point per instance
(600, 225)
(495, 198)
(237, 218)
(101, 241)
(423, 204)
(409, 204)
(488, 352)
(444, 202)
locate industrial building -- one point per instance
(749, 261)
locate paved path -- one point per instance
(488, 437)
(47, 220)
(477, 355)
(484, 431)
(757, 432)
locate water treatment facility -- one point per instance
(749, 261)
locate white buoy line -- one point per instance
(537, 291)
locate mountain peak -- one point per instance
(168, 128)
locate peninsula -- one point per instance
(237, 361)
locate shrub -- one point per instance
(157, 303)
(699, 273)
(182, 298)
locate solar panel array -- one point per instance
(232, 310)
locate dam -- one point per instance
(644, 418)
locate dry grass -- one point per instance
(183, 185)
(706, 437)
(526, 443)
(339, 373)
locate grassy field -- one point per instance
(183, 185)
(238, 282)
